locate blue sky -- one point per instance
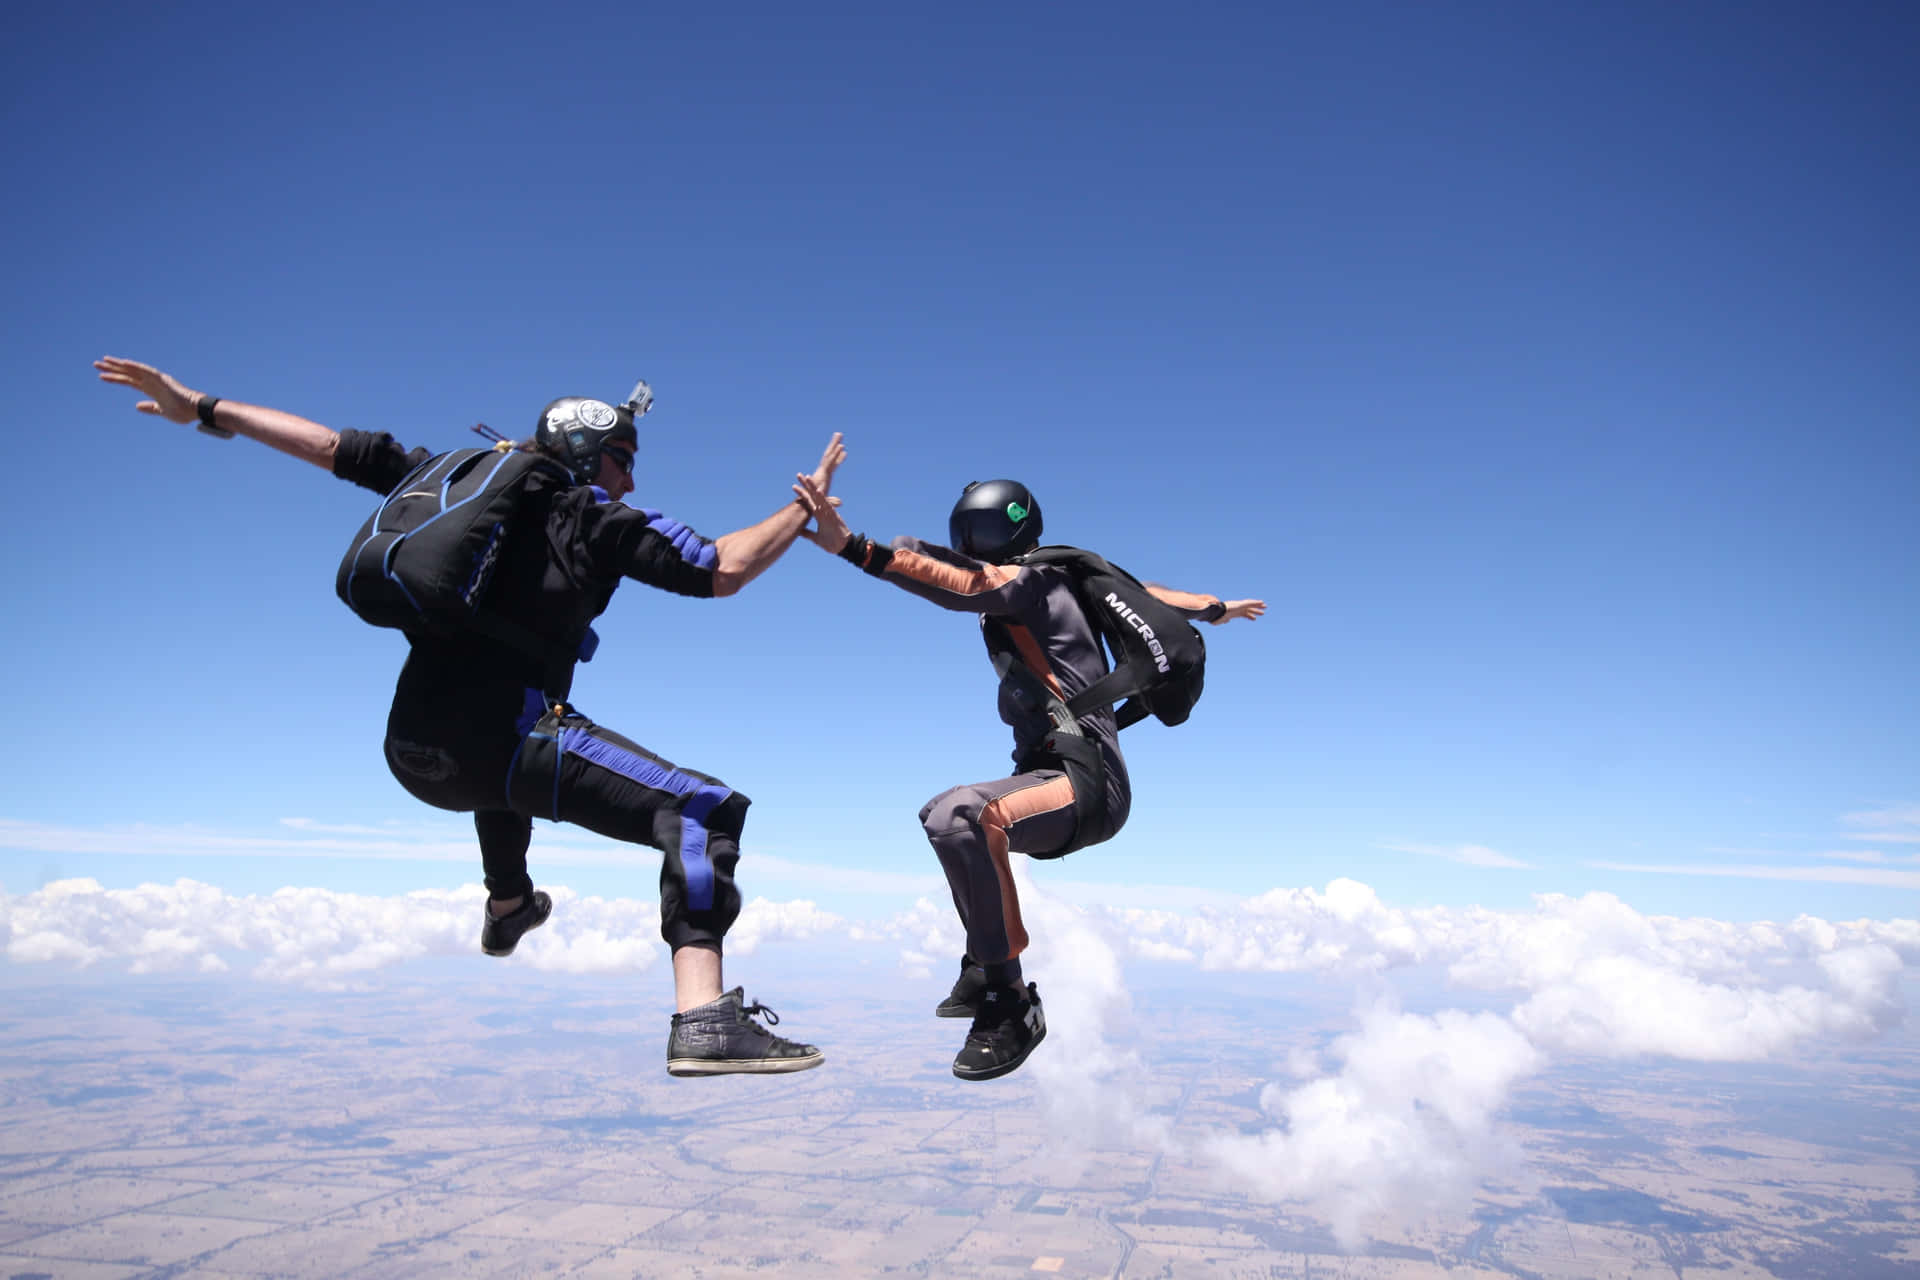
(1541, 368)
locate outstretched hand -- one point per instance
(170, 398)
(1248, 609)
(830, 461)
(829, 532)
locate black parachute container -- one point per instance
(1159, 659)
(424, 559)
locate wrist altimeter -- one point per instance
(203, 410)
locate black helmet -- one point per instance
(575, 429)
(995, 520)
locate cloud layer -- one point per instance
(1399, 1117)
(324, 939)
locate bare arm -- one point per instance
(171, 399)
(745, 553)
(1206, 608)
(1191, 603)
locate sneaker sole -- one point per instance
(742, 1066)
(955, 1008)
(508, 949)
(994, 1073)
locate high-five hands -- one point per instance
(830, 461)
(830, 532)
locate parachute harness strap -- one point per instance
(1028, 689)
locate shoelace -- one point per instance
(756, 1009)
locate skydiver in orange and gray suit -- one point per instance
(1058, 800)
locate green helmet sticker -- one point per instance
(1016, 512)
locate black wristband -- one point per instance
(203, 409)
(864, 553)
(855, 552)
(1214, 612)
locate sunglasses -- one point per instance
(621, 458)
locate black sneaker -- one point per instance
(499, 935)
(721, 1037)
(964, 1000)
(1010, 1023)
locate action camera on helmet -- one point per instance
(576, 429)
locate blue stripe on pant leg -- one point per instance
(647, 773)
(693, 846)
(703, 798)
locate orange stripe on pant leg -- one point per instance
(995, 819)
(1027, 802)
(1009, 896)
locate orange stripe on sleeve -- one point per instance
(949, 577)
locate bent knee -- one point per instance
(953, 812)
(729, 816)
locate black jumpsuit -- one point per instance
(479, 727)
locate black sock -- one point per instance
(1005, 974)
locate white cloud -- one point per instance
(1345, 929)
(1401, 1119)
(1820, 875)
(1406, 1126)
(1588, 974)
(448, 841)
(1086, 1078)
(1614, 1004)
(1898, 825)
(762, 920)
(320, 938)
(1874, 857)
(1406, 1121)
(930, 939)
(1472, 855)
(337, 828)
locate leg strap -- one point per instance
(1080, 759)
